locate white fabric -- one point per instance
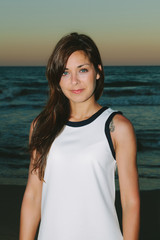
(79, 191)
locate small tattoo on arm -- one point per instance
(111, 126)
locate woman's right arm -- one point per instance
(31, 204)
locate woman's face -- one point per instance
(78, 81)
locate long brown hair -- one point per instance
(50, 122)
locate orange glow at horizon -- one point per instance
(126, 33)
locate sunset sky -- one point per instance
(127, 32)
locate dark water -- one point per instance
(133, 90)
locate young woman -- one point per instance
(75, 146)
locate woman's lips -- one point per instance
(78, 91)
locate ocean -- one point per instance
(133, 90)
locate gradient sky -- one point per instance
(127, 32)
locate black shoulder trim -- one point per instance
(107, 132)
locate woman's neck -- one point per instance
(82, 111)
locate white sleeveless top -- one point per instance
(78, 196)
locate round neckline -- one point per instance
(88, 120)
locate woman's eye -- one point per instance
(65, 73)
(84, 70)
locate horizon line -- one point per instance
(147, 65)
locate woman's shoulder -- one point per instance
(121, 121)
(123, 128)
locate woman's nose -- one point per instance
(74, 79)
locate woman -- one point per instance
(75, 146)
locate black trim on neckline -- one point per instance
(87, 121)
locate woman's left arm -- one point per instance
(124, 141)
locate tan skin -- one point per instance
(31, 204)
(125, 147)
(78, 83)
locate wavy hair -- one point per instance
(50, 122)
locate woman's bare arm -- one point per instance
(31, 205)
(125, 146)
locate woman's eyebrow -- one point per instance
(83, 65)
(80, 66)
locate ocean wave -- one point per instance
(149, 176)
(126, 83)
(148, 140)
(148, 166)
(15, 166)
(130, 100)
(131, 70)
(148, 145)
(25, 106)
(116, 92)
(32, 83)
(25, 92)
(14, 155)
(14, 173)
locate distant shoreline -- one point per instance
(104, 66)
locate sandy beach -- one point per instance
(11, 198)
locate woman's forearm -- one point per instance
(30, 217)
(131, 221)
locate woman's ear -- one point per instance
(100, 69)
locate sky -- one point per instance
(127, 32)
